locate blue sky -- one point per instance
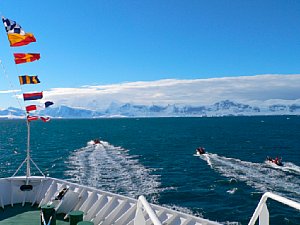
(111, 42)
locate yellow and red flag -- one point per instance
(16, 35)
(26, 57)
(20, 40)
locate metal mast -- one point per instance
(28, 150)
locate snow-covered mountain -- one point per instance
(222, 108)
(11, 113)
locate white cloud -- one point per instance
(246, 89)
(9, 91)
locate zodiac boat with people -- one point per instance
(276, 161)
(29, 199)
(200, 151)
(96, 142)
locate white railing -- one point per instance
(262, 211)
(139, 218)
(98, 206)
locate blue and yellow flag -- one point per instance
(28, 79)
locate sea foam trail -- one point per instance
(112, 169)
(287, 167)
(257, 175)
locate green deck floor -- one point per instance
(27, 215)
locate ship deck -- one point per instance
(25, 215)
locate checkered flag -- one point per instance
(12, 27)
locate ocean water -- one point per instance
(155, 157)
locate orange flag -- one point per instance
(26, 57)
(20, 40)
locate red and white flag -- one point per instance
(32, 118)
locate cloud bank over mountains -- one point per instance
(257, 90)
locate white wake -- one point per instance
(284, 181)
(287, 167)
(112, 169)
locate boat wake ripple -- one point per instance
(112, 169)
(287, 167)
(284, 181)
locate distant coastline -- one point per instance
(128, 110)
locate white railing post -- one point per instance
(264, 215)
(262, 212)
(139, 218)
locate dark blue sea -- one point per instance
(155, 157)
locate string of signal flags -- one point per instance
(18, 37)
